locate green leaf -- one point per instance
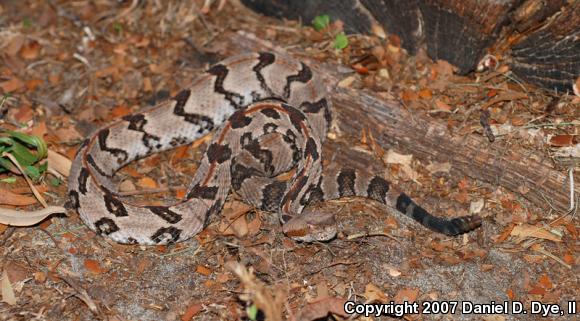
(321, 22)
(252, 312)
(8, 180)
(26, 22)
(22, 154)
(33, 141)
(340, 41)
(26, 149)
(54, 181)
(5, 165)
(32, 172)
(118, 27)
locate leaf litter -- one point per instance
(83, 64)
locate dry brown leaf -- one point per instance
(545, 282)
(11, 85)
(120, 111)
(443, 69)
(378, 31)
(537, 290)
(31, 50)
(203, 270)
(127, 186)
(526, 230)
(14, 45)
(510, 294)
(54, 79)
(68, 134)
(477, 206)
(179, 153)
(562, 140)
(32, 84)
(409, 295)
(27, 218)
(395, 158)
(321, 308)
(426, 93)
(147, 85)
(13, 199)
(442, 105)
(439, 167)
(509, 95)
(191, 311)
(374, 294)
(504, 235)
(346, 82)
(59, 163)
(107, 71)
(234, 222)
(569, 258)
(94, 266)
(254, 225)
(147, 183)
(180, 193)
(408, 95)
(8, 295)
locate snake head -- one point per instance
(311, 226)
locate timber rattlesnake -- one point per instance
(272, 114)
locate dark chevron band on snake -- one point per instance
(269, 114)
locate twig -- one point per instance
(370, 234)
(81, 293)
(553, 257)
(331, 265)
(571, 181)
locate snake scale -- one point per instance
(270, 115)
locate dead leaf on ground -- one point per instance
(408, 295)
(441, 105)
(234, 222)
(59, 163)
(147, 183)
(374, 294)
(14, 84)
(509, 95)
(203, 270)
(30, 50)
(8, 295)
(68, 134)
(191, 311)
(9, 198)
(27, 218)
(94, 266)
(545, 282)
(526, 230)
(562, 140)
(321, 308)
(436, 167)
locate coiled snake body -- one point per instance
(271, 114)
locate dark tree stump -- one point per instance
(539, 39)
(550, 56)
